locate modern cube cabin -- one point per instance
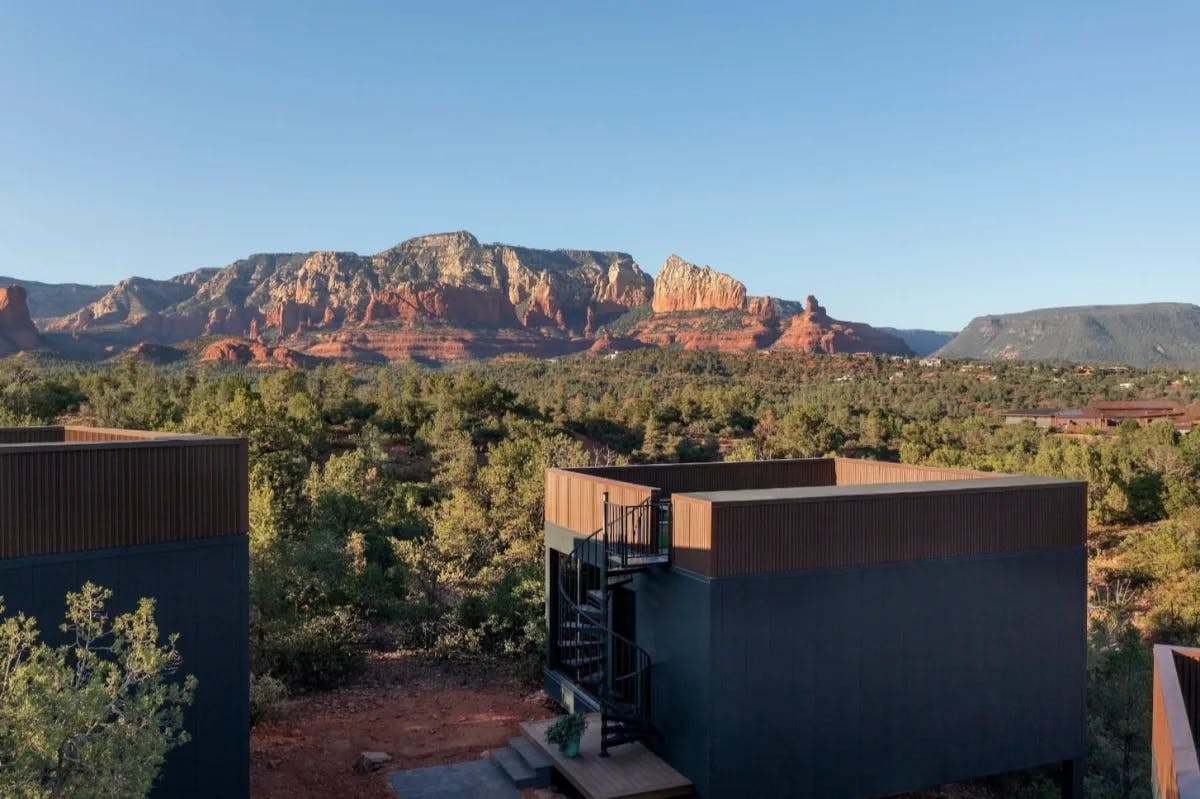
(826, 628)
(144, 515)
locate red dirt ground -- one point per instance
(421, 712)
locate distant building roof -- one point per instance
(1115, 410)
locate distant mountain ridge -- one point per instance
(48, 300)
(1138, 335)
(440, 297)
(922, 342)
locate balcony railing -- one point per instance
(637, 535)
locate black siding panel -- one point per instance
(200, 588)
(674, 624)
(865, 682)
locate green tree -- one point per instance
(92, 718)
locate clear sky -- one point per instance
(910, 163)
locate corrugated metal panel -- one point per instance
(78, 496)
(880, 528)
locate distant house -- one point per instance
(145, 515)
(826, 628)
(1103, 415)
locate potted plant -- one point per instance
(566, 732)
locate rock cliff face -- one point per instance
(51, 300)
(446, 279)
(445, 297)
(683, 286)
(815, 331)
(701, 308)
(255, 353)
(17, 331)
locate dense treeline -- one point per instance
(397, 507)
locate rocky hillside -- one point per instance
(682, 286)
(441, 297)
(922, 342)
(1140, 335)
(49, 300)
(449, 280)
(701, 308)
(17, 331)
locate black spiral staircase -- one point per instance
(612, 669)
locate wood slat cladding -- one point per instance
(102, 490)
(826, 532)
(691, 534)
(673, 478)
(850, 471)
(848, 516)
(575, 500)
(1175, 769)
(81, 434)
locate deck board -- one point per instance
(631, 771)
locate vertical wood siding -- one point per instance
(78, 496)
(575, 500)
(787, 534)
(859, 472)
(82, 434)
(823, 532)
(1176, 700)
(691, 534)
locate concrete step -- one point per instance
(535, 758)
(514, 766)
(475, 779)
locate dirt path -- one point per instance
(420, 712)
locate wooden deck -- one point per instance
(631, 771)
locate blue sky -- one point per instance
(910, 163)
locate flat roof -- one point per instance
(813, 493)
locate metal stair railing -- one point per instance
(614, 670)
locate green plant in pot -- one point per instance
(566, 732)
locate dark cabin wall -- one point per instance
(674, 625)
(869, 681)
(201, 590)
